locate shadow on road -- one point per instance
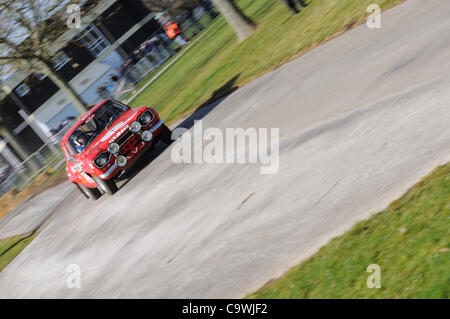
(216, 98)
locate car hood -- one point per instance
(115, 130)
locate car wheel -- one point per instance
(166, 135)
(106, 185)
(89, 193)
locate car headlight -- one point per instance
(135, 127)
(145, 117)
(121, 161)
(101, 160)
(146, 136)
(113, 148)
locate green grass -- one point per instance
(10, 247)
(217, 61)
(410, 241)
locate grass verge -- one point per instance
(10, 247)
(218, 61)
(410, 241)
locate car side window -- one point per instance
(67, 151)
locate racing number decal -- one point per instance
(84, 177)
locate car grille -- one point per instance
(122, 139)
(128, 142)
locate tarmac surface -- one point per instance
(32, 214)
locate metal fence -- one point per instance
(48, 157)
(135, 73)
(147, 64)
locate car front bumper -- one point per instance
(114, 168)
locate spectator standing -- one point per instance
(102, 91)
(207, 6)
(136, 56)
(174, 33)
(291, 4)
(160, 45)
(167, 43)
(127, 68)
(150, 46)
(114, 78)
(189, 12)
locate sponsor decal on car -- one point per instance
(116, 131)
(115, 137)
(111, 132)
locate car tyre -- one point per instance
(89, 193)
(109, 186)
(166, 135)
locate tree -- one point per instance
(17, 146)
(28, 30)
(240, 23)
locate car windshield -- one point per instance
(95, 124)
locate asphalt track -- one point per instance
(361, 119)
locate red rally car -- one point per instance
(106, 141)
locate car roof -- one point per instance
(84, 117)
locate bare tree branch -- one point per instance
(27, 34)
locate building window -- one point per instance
(6, 72)
(22, 89)
(93, 40)
(40, 76)
(59, 60)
